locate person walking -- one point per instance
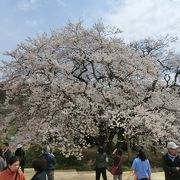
(141, 166)
(171, 162)
(12, 171)
(101, 164)
(21, 155)
(50, 162)
(117, 156)
(39, 166)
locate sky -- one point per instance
(137, 19)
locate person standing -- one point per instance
(21, 155)
(12, 171)
(6, 152)
(117, 156)
(141, 166)
(101, 164)
(171, 162)
(39, 166)
(2, 162)
(50, 162)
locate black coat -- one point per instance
(7, 155)
(40, 176)
(169, 166)
(21, 155)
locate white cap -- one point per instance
(19, 146)
(172, 145)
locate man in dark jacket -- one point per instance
(6, 152)
(171, 162)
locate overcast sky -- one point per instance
(136, 18)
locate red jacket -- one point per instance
(7, 174)
(118, 162)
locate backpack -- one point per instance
(50, 160)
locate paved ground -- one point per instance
(85, 175)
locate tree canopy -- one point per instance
(69, 81)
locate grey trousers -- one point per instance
(117, 177)
(50, 174)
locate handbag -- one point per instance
(132, 176)
(114, 168)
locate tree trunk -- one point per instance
(128, 147)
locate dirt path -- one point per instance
(85, 175)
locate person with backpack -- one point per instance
(12, 171)
(39, 166)
(101, 164)
(21, 155)
(50, 162)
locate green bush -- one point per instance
(32, 153)
(63, 162)
(89, 156)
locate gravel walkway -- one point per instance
(85, 175)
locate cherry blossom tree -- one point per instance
(59, 83)
(166, 59)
